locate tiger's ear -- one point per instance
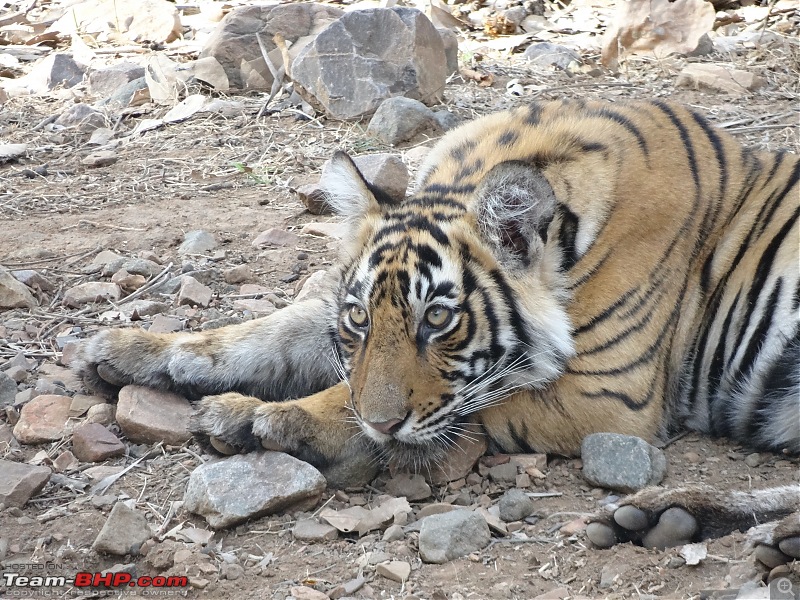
(515, 205)
(347, 191)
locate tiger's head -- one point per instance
(448, 303)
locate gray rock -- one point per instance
(147, 416)
(104, 414)
(25, 396)
(14, 294)
(100, 158)
(413, 487)
(105, 82)
(125, 94)
(165, 324)
(504, 474)
(237, 274)
(107, 257)
(621, 462)
(367, 56)
(144, 308)
(17, 374)
(81, 404)
(18, 482)
(34, 279)
(400, 119)
(314, 198)
(450, 43)
(395, 570)
(386, 171)
(57, 69)
(446, 120)
(275, 237)
(124, 532)
(515, 505)
(92, 291)
(235, 46)
(194, 293)
(81, 116)
(197, 242)
(393, 533)
(141, 266)
(247, 486)
(545, 54)
(8, 389)
(450, 535)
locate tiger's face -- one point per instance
(433, 324)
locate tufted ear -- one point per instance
(347, 190)
(515, 205)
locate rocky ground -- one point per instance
(140, 220)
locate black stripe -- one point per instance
(642, 357)
(761, 274)
(516, 320)
(428, 255)
(719, 151)
(623, 397)
(761, 331)
(567, 234)
(629, 125)
(456, 190)
(776, 198)
(534, 113)
(520, 439)
(432, 202)
(781, 380)
(719, 426)
(605, 314)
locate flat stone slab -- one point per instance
(147, 416)
(247, 486)
(94, 443)
(19, 481)
(43, 419)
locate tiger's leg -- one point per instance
(318, 429)
(288, 354)
(659, 518)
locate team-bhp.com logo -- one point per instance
(101, 580)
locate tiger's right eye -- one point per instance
(358, 316)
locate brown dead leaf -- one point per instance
(657, 27)
(482, 79)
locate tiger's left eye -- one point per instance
(438, 317)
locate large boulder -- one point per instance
(370, 55)
(234, 44)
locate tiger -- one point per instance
(562, 268)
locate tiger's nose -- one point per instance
(389, 427)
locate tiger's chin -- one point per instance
(419, 458)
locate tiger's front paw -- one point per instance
(312, 429)
(226, 424)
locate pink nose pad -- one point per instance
(387, 427)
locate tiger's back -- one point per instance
(680, 251)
